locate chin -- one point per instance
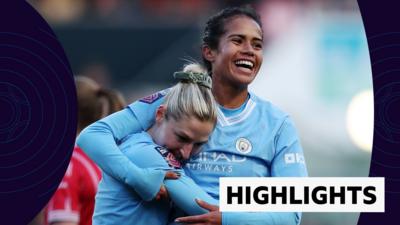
(243, 83)
(246, 79)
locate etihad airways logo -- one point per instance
(210, 167)
(218, 157)
(215, 162)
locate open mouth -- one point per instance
(244, 64)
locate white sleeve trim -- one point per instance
(62, 215)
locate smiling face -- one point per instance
(238, 56)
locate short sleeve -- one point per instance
(65, 204)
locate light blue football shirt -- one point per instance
(255, 140)
(117, 203)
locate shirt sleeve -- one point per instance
(288, 162)
(99, 142)
(289, 157)
(182, 191)
(65, 205)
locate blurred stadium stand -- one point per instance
(316, 60)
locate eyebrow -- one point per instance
(189, 139)
(183, 135)
(202, 142)
(244, 36)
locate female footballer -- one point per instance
(73, 201)
(183, 123)
(252, 138)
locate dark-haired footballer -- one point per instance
(252, 138)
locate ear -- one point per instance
(160, 113)
(208, 53)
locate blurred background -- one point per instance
(316, 65)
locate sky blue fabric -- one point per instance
(256, 140)
(116, 203)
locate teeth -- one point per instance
(245, 63)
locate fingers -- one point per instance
(213, 218)
(163, 193)
(207, 206)
(171, 175)
(158, 197)
(163, 190)
(191, 219)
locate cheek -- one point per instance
(260, 57)
(225, 57)
(226, 51)
(170, 141)
(230, 50)
(163, 136)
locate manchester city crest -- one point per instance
(243, 145)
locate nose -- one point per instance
(248, 49)
(186, 150)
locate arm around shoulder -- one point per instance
(99, 142)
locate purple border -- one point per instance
(37, 112)
(381, 22)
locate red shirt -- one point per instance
(74, 198)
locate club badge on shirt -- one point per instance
(153, 97)
(169, 157)
(243, 145)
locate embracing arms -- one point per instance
(286, 145)
(99, 141)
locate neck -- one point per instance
(152, 131)
(229, 96)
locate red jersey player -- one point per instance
(73, 202)
(74, 198)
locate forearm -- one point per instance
(183, 193)
(257, 218)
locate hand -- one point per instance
(171, 175)
(163, 193)
(213, 217)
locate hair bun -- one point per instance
(194, 73)
(195, 68)
(198, 78)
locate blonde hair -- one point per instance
(189, 98)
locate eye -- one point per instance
(199, 144)
(182, 139)
(258, 45)
(197, 147)
(237, 41)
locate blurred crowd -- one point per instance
(135, 12)
(75, 20)
(123, 11)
